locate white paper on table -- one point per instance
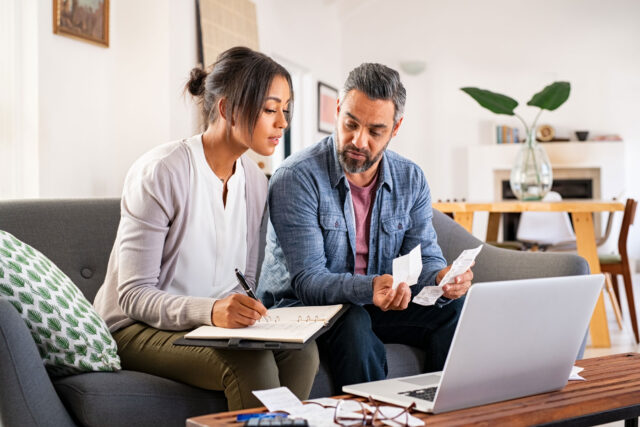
(430, 294)
(407, 268)
(279, 399)
(573, 376)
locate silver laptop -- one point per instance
(514, 338)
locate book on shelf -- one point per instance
(507, 135)
(286, 324)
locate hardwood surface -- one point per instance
(611, 392)
(581, 214)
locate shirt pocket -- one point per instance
(394, 229)
(336, 240)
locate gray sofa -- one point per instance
(78, 235)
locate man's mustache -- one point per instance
(353, 148)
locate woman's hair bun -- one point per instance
(195, 85)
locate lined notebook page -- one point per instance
(287, 324)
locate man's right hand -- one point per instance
(386, 298)
(237, 311)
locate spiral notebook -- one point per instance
(280, 326)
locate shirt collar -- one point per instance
(336, 173)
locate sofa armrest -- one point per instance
(28, 396)
(494, 264)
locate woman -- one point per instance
(190, 214)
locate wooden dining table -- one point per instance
(581, 212)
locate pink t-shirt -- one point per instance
(362, 198)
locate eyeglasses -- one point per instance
(354, 412)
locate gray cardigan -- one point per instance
(154, 211)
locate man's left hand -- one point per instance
(460, 285)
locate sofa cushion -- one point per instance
(129, 398)
(70, 336)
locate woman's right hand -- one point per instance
(237, 311)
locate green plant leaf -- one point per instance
(17, 305)
(70, 357)
(21, 259)
(36, 338)
(1, 273)
(5, 253)
(492, 101)
(72, 320)
(34, 316)
(14, 266)
(44, 332)
(6, 290)
(54, 324)
(46, 307)
(89, 328)
(81, 349)
(62, 342)
(62, 302)
(44, 292)
(73, 334)
(85, 366)
(50, 285)
(33, 276)
(552, 96)
(25, 298)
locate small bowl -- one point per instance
(582, 135)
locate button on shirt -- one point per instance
(311, 241)
(215, 241)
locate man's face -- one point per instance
(363, 131)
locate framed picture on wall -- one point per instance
(327, 99)
(82, 19)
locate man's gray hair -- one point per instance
(377, 81)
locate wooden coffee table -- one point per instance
(610, 393)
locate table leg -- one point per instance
(465, 219)
(493, 226)
(586, 243)
(633, 422)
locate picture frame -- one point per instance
(86, 20)
(327, 101)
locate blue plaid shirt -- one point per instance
(311, 238)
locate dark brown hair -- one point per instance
(241, 76)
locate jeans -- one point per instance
(354, 346)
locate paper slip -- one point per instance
(573, 376)
(278, 399)
(430, 294)
(407, 268)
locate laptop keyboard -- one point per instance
(427, 394)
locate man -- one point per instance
(341, 211)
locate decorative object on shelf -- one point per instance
(531, 175)
(545, 133)
(582, 135)
(87, 21)
(327, 103)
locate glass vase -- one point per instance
(531, 175)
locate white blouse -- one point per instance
(215, 241)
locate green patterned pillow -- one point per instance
(69, 334)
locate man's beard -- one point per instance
(357, 166)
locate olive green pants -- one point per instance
(236, 372)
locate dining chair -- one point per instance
(614, 264)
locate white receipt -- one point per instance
(573, 376)
(279, 399)
(430, 294)
(407, 268)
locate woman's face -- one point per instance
(272, 121)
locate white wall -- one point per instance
(305, 36)
(512, 47)
(100, 108)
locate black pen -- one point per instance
(244, 284)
